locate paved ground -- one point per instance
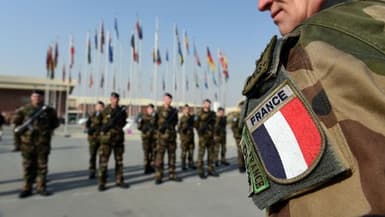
(76, 196)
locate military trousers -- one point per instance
(35, 165)
(219, 148)
(149, 150)
(240, 158)
(166, 142)
(94, 144)
(188, 147)
(206, 144)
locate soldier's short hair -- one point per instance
(39, 92)
(100, 103)
(220, 109)
(168, 94)
(151, 105)
(186, 105)
(115, 94)
(207, 100)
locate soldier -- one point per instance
(147, 124)
(237, 132)
(16, 137)
(314, 113)
(205, 123)
(168, 119)
(220, 137)
(93, 125)
(37, 123)
(186, 135)
(112, 140)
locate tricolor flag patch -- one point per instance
(286, 136)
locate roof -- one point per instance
(30, 83)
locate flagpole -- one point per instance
(139, 69)
(130, 81)
(174, 82)
(156, 54)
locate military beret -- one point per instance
(168, 94)
(115, 94)
(40, 92)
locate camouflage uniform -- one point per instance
(204, 123)
(148, 125)
(93, 126)
(168, 119)
(186, 135)
(336, 61)
(36, 145)
(112, 140)
(237, 134)
(220, 139)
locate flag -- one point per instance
(156, 57)
(186, 44)
(135, 55)
(166, 55)
(224, 65)
(180, 53)
(56, 55)
(102, 81)
(196, 79)
(49, 63)
(72, 52)
(206, 83)
(139, 30)
(64, 73)
(102, 39)
(210, 60)
(116, 27)
(88, 48)
(96, 39)
(91, 81)
(110, 48)
(79, 78)
(197, 60)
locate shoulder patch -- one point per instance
(286, 135)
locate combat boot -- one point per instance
(217, 163)
(158, 181)
(123, 185)
(192, 166)
(213, 173)
(92, 175)
(184, 168)
(25, 193)
(174, 178)
(102, 187)
(224, 162)
(242, 169)
(44, 192)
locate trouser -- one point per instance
(187, 151)
(219, 148)
(169, 145)
(104, 155)
(149, 147)
(17, 141)
(35, 166)
(205, 143)
(240, 159)
(94, 144)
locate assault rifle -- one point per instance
(113, 120)
(27, 125)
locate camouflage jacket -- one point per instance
(235, 116)
(186, 126)
(109, 114)
(94, 124)
(148, 124)
(336, 59)
(167, 120)
(42, 128)
(205, 123)
(220, 126)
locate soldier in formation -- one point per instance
(36, 123)
(220, 138)
(237, 134)
(148, 124)
(186, 135)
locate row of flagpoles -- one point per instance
(104, 67)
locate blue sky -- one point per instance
(236, 27)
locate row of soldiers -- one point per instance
(36, 122)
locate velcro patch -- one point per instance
(285, 134)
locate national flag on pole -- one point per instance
(116, 27)
(110, 48)
(224, 65)
(72, 52)
(210, 60)
(64, 73)
(180, 53)
(56, 55)
(206, 83)
(139, 30)
(91, 81)
(156, 57)
(197, 59)
(102, 81)
(49, 63)
(102, 39)
(88, 48)
(134, 52)
(96, 40)
(186, 43)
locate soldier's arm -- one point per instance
(18, 117)
(54, 119)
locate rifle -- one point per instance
(166, 124)
(27, 125)
(113, 120)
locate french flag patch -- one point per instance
(287, 138)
